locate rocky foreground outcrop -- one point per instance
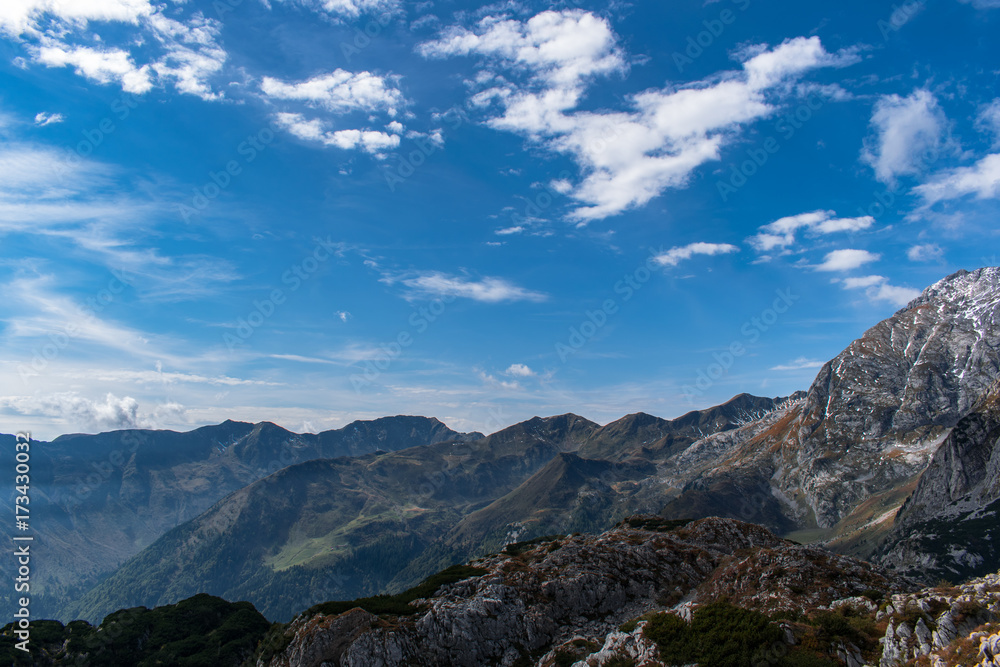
(581, 589)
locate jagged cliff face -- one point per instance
(948, 528)
(877, 411)
(868, 425)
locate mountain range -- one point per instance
(891, 455)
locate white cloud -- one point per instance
(159, 377)
(909, 134)
(626, 157)
(799, 364)
(351, 8)
(877, 288)
(846, 260)
(781, 232)
(371, 141)
(59, 33)
(676, 255)
(24, 16)
(491, 381)
(102, 66)
(42, 118)
(927, 252)
(340, 92)
(507, 231)
(487, 290)
(81, 413)
(982, 180)
(519, 370)
(343, 315)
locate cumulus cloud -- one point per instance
(676, 255)
(781, 233)
(927, 252)
(626, 157)
(487, 290)
(42, 118)
(908, 135)
(183, 52)
(26, 16)
(519, 370)
(982, 180)
(100, 65)
(878, 288)
(375, 142)
(340, 92)
(846, 260)
(86, 414)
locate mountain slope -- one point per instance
(332, 528)
(651, 437)
(100, 499)
(845, 455)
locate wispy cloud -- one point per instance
(799, 364)
(981, 180)
(43, 118)
(782, 232)
(434, 284)
(926, 252)
(676, 255)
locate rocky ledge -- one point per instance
(568, 597)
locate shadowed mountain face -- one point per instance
(332, 528)
(949, 527)
(99, 499)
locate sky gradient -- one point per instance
(315, 211)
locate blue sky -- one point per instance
(314, 211)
